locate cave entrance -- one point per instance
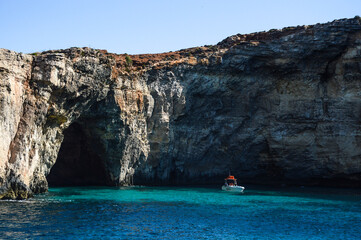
(79, 162)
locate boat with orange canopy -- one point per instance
(230, 184)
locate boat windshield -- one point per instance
(231, 182)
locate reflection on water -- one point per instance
(188, 213)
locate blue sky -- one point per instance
(152, 26)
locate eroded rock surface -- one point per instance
(281, 106)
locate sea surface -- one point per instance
(184, 213)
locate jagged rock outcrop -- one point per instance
(274, 107)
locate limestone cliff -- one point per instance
(282, 106)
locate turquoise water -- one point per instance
(183, 213)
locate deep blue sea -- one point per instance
(184, 213)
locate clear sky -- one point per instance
(152, 26)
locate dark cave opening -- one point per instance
(78, 163)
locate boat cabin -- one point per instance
(230, 181)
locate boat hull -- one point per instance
(233, 188)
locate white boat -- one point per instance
(230, 184)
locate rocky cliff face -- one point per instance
(281, 106)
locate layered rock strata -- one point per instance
(281, 106)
